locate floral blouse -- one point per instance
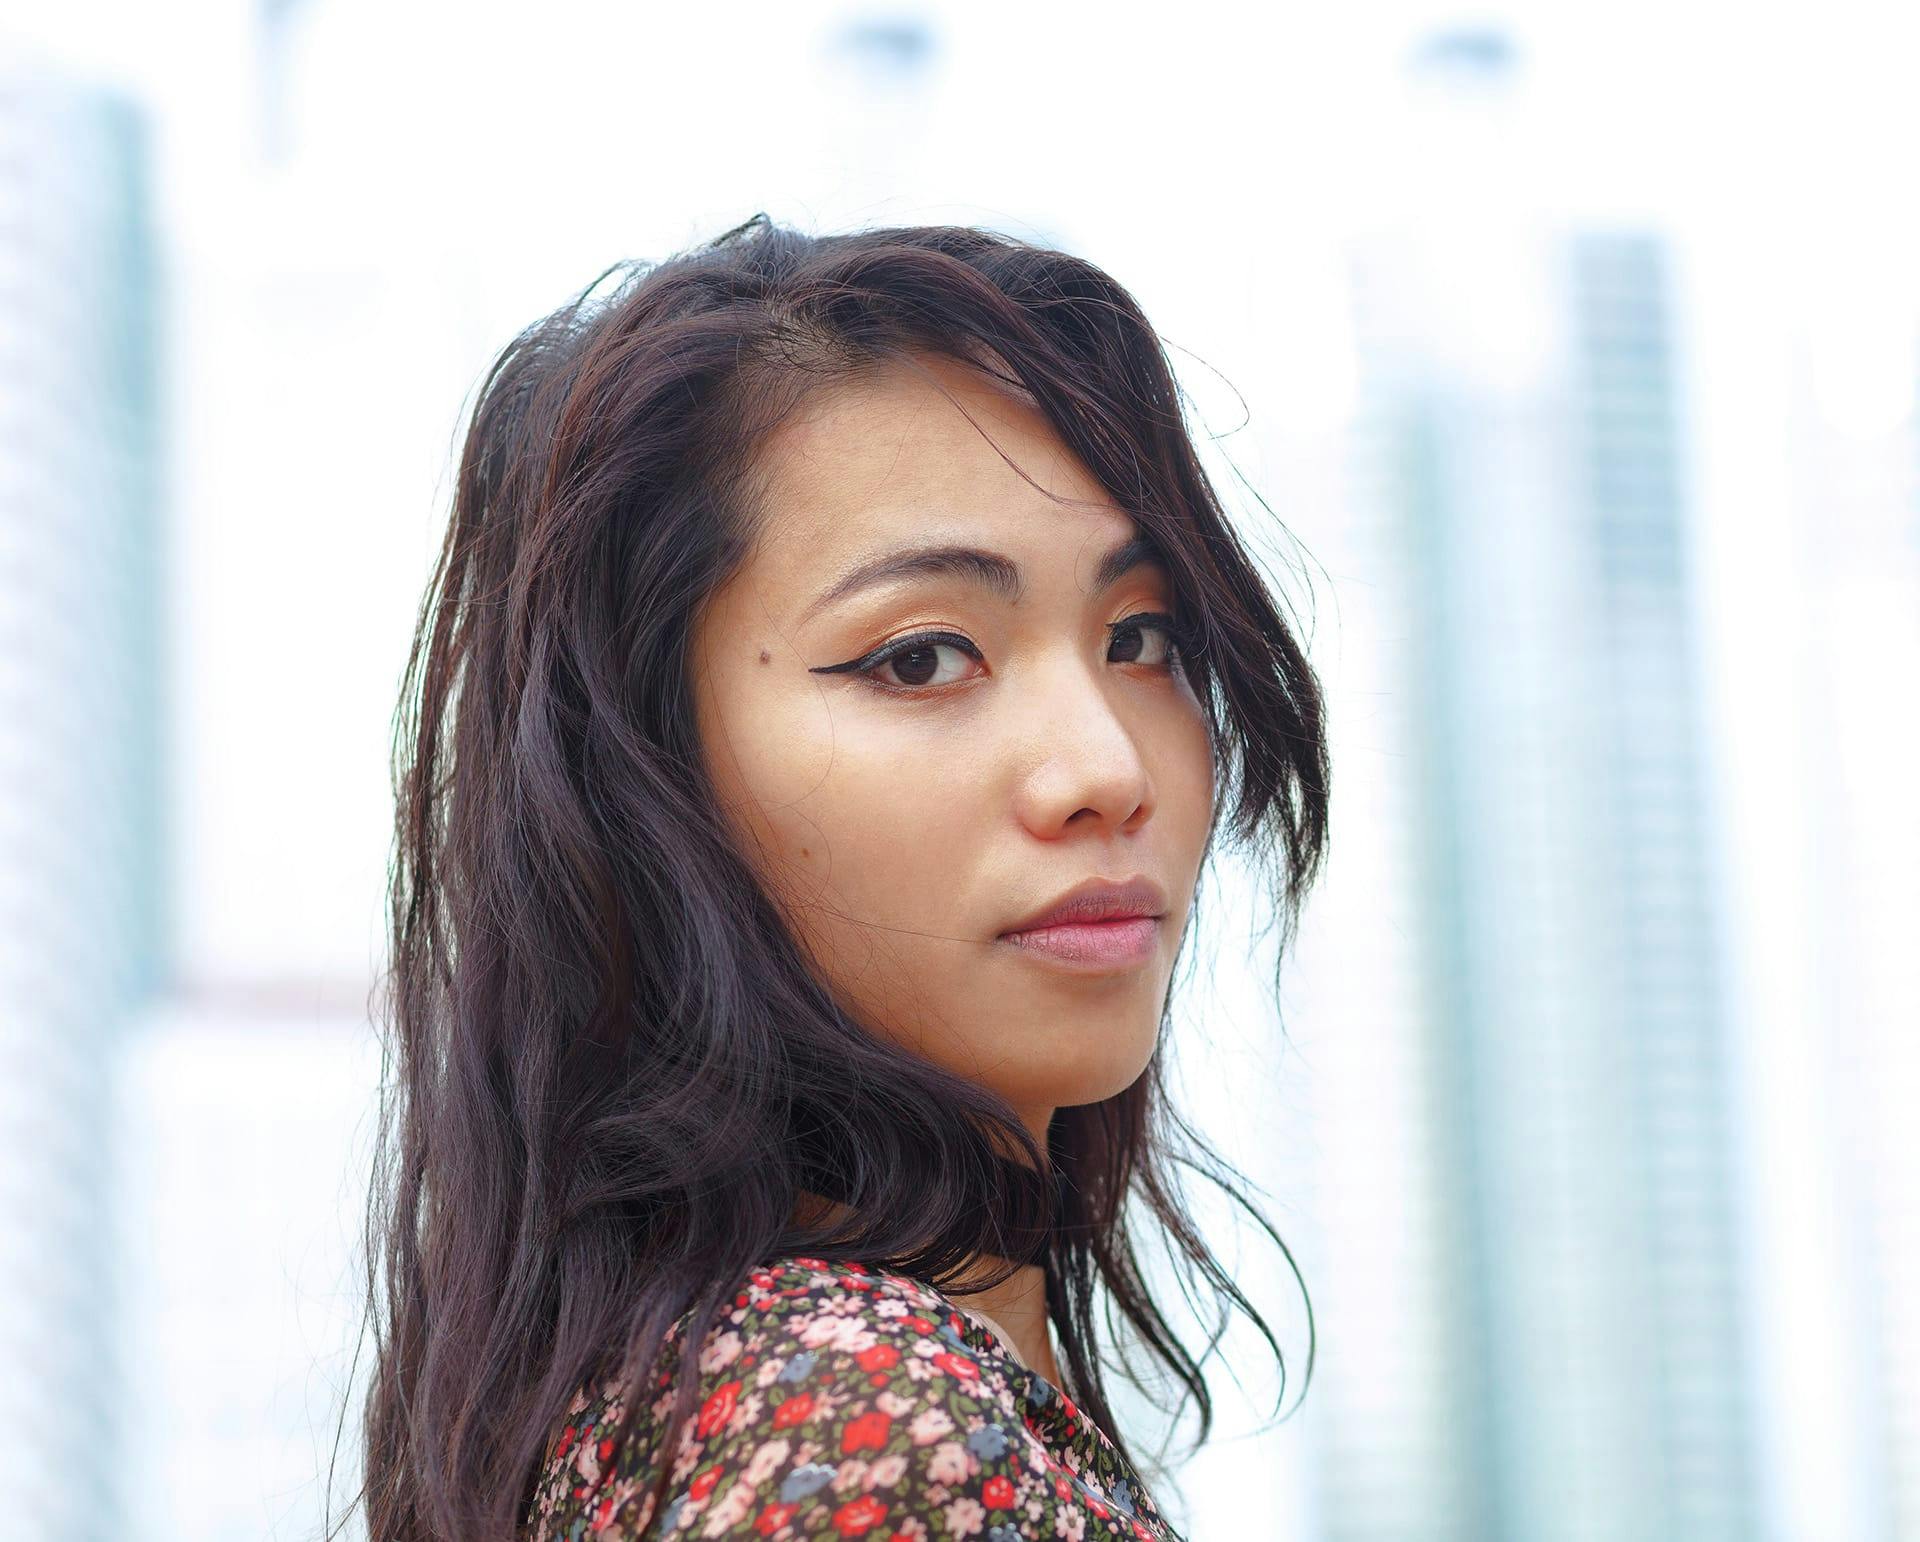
(838, 1401)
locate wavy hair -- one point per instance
(609, 1073)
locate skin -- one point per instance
(902, 830)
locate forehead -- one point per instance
(865, 465)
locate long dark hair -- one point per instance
(610, 1074)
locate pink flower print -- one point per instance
(721, 1351)
(965, 1516)
(847, 1333)
(765, 1462)
(948, 1464)
(729, 1511)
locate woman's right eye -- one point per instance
(915, 661)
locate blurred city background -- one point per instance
(1577, 347)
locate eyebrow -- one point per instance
(998, 574)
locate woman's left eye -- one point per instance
(1150, 621)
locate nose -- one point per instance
(1084, 757)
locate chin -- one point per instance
(1081, 1084)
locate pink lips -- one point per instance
(1100, 923)
(1111, 944)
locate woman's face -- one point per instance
(906, 814)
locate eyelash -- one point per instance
(1145, 620)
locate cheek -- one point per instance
(843, 809)
(1194, 777)
(1181, 762)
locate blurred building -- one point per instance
(1521, 506)
(81, 935)
(1520, 396)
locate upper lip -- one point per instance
(1097, 899)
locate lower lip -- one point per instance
(1092, 944)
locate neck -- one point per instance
(1018, 1305)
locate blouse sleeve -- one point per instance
(854, 1413)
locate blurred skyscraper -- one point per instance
(81, 939)
(1519, 457)
(1521, 394)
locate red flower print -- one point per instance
(957, 1365)
(858, 1515)
(703, 1485)
(857, 1268)
(998, 1492)
(606, 1448)
(793, 1410)
(811, 1263)
(869, 1430)
(718, 1408)
(879, 1358)
(918, 1324)
(566, 1441)
(604, 1514)
(773, 1518)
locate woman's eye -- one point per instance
(1127, 635)
(915, 662)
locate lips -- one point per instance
(1116, 943)
(1096, 900)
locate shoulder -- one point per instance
(834, 1399)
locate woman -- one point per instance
(808, 756)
